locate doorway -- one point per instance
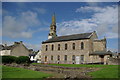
(45, 58)
(102, 58)
(77, 58)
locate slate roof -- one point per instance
(69, 37)
(101, 53)
(10, 47)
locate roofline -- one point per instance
(65, 40)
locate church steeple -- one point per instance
(52, 32)
(53, 19)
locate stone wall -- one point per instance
(113, 61)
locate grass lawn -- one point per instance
(107, 71)
(12, 72)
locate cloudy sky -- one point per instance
(29, 21)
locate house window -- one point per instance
(82, 45)
(46, 47)
(82, 57)
(58, 57)
(65, 58)
(51, 57)
(73, 57)
(65, 46)
(52, 47)
(58, 46)
(73, 46)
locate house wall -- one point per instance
(20, 50)
(5, 52)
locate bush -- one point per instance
(8, 59)
(22, 59)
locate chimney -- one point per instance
(21, 41)
(5, 45)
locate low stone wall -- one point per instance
(113, 61)
(72, 72)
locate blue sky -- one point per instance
(29, 21)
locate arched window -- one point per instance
(52, 47)
(65, 58)
(73, 46)
(82, 45)
(66, 46)
(73, 57)
(51, 57)
(58, 57)
(46, 47)
(58, 46)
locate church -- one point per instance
(84, 48)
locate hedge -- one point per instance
(22, 59)
(13, 59)
(8, 59)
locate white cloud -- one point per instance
(104, 20)
(40, 10)
(18, 27)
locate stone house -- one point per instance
(81, 48)
(17, 49)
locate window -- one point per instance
(58, 57)
(73, 57)
(52, 47)
(82, 57)
(73, 46)
(51, 57)
(82, 45)
(46, 47)
(65, 46)
(65, 57)
(58, 46)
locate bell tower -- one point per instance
(52, 32)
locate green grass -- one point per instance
(12, 72)
(107, 72)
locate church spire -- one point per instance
(53, 19)
(52, 32)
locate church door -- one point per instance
(45, 58)
(77, 59)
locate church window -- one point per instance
(82, 45)
(52, 47)
(65, 46)
(73, 46)
(73, 57)
(65, 57)
(46, 47)
(58, 46)
(58, 57)
(82, 57)
(51, 57)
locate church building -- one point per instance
(84, 48)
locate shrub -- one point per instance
(8, 59)
(22, 59)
